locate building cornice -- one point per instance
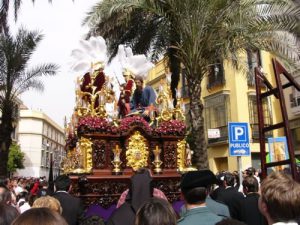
(34, 114)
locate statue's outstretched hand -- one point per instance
(146, 112)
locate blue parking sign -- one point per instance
(238, 139)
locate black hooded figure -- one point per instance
(140, 192)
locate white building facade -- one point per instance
(41, 139)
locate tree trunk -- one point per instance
(175, 70)
(198, 145)
(6, 130)
(174, 62)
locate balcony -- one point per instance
(251, 79)
(295, 105)
(255, 132)
(224, 134)
(216, 76)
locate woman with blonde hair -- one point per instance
(48, 202)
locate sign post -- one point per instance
(238, 142)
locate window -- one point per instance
(43, 158)
(254, 60)
(216, 75)
(296, 138)
(47, 160)
(184, 88)
(45, 129)
(294, 98)
(295, 130)
(187, 115)
(253, 116)
(217, 114)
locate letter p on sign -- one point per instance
(238, 131)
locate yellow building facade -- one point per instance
(229, 95)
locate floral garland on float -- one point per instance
(138, 121)
(90, 124)
(171, 127)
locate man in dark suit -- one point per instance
(250, 212)
(230, 196)
(72, 206)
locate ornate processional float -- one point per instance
(106, 142)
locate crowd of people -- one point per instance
(209, 199)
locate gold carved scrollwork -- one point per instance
(163, 100)
(137, 151)
(79, 159)
(181, 155)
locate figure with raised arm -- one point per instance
(125, 94)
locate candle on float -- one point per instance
(183, 107)
(178, 94)
(101, 98)
(117, 153)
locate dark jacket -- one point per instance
(250, 212)
(232, 198)
(72, 207)
(124, 215)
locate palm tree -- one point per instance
(16, 78)
(4, 9)
(205, 31)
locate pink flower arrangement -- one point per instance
(128, 122)
(91, 124)
(172, 127)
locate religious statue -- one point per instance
(188, 155)
(143, 98)
(125, 94)
(96, 79)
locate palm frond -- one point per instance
(32, 75)
(3, 16)
(15, 75)
(29, 84)
(17, 4)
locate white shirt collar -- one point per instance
(283, 223)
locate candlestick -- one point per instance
(178, 94)
(157, 162)
(117, 161)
